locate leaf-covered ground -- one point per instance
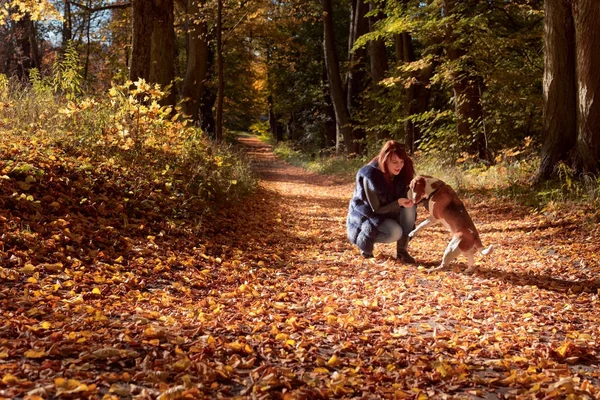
(106, 291)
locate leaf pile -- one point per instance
(107, 292)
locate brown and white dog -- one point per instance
(447, 208)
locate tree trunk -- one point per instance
(417, 93)
(357, 60)
(356, 77)
(330, 132)
(379, 66)
(66, 28)
(220, 75)
(162, 69)
(587, 36)
(378, 52)
(88, 19)
(207, 120)
(467, 88)
(141, 51)
(197, 60)
(560, 102)
(27, 42)
(336, 89)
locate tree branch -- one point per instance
(101, 8)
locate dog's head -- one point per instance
(421, 187)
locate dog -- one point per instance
(445, 207)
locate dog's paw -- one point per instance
(471, 270)
(438, 268)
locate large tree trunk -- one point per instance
(141, 52)
(560, 101)
(357, 60)
(467, 89)
(587, 36)
(377, 49)
(162, 70)
(220, 74)
(197, 60)
(417, 92)
(26, 36)
(379, 66)
(336, 90)
(66, 28)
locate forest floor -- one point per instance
(101, 298)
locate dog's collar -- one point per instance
(435, 191)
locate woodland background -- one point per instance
(459, 78)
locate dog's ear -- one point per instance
(437, 184)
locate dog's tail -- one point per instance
(488, 250)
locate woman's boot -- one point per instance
(401, 252)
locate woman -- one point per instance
(379, 211)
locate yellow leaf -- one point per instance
(281, 336)
(35, 354)
(334, 361)
(46, 325)
(3, 354)
(9, 379)
(173, 393)
(28, 269)
(182, 364)
(564, 349)
(96, 291)
(321, 370)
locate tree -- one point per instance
(220, 73)
(141, 52)
(467, 85)
(153, 50)
(345, 126)
(197, 59)
(571, 82)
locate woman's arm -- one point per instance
(373, 199)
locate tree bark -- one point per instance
(26, 37)
(377, 49)
(336, 89)
(357, 60)
(560, 101)
(417, 93)
(141, 52)
(66, 28)
(587, 36)
(220, 74)
(197, 60)
(467, 88)
(162, 69)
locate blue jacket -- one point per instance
(362, 221)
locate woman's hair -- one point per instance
(393, 147)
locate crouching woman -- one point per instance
(379, 210)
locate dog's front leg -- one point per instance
(429, 221)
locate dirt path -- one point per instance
(527, 324)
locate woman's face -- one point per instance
(394, 164)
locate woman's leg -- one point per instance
(407, 218)
(389, 232)
(406, 221)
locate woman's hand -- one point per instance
(405, 202)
